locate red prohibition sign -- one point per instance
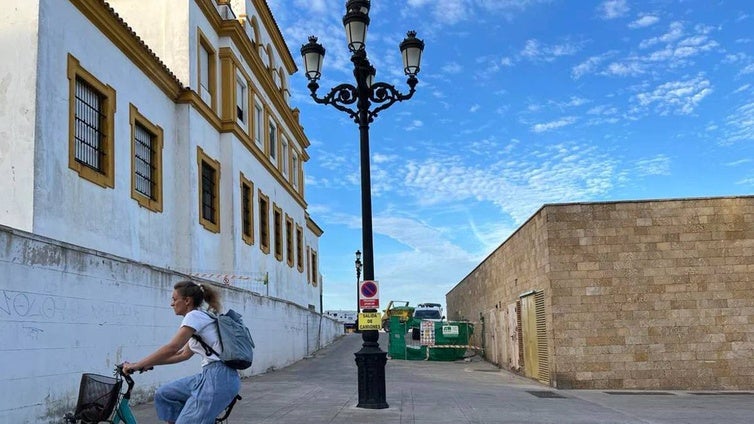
(368, 289)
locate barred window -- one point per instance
(146, 161)
(209, 193)
(278, 223)
(247, 210)
(91, 115)
(300, 248)
(289, 240)
(90, 120)
(144, 154)
(264, 223)
(315, 272)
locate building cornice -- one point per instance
(313, 227)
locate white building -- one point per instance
(141, 142)
(161, 132)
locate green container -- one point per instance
(450, 333)
(397, 341)
(416, 353)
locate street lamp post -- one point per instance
(358, 278)
(370, 360)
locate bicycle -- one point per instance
(101, 400)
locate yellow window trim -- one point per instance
(105, 178)
(247, 238)
(135, 117)
(202, 157)
(277, 217)
(289, 248)
(299, 248)
(314, 268)
(264, 222)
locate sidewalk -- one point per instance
(323, 389)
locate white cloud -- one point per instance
(415, 124)
(624, 69)
(554, 173)
(738, 162)
(588, 66)
(658, 165)
(611, 9)
(740, 124)
(742, 88)
(452, 68)
(534, 50)
(675, 32)
(644, 21)
(382, 158)
(676, 97)
(474, 108)
(549, 126)
(747, 70)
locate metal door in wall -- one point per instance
(529, 335)
(534, 337)
(512, 340)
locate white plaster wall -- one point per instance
(66, 310)
(18, 48)
(68, 207)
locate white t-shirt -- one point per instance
(205, 327)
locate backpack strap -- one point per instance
(207, 348)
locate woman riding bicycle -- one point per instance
(196, 399)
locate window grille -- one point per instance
(145, 162)
(300, 247)
(278, 223)
(209, 191)
(289, 241)
(314, 268)
(264, 223)
(246, 201)
(89, 149)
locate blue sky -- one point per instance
(520, 103)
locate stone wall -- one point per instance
(653, 295)
(638, 295)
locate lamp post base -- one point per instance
(371, 361)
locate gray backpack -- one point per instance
(235, 339)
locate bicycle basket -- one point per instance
(97, 397)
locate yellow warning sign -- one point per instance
(370, 321)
